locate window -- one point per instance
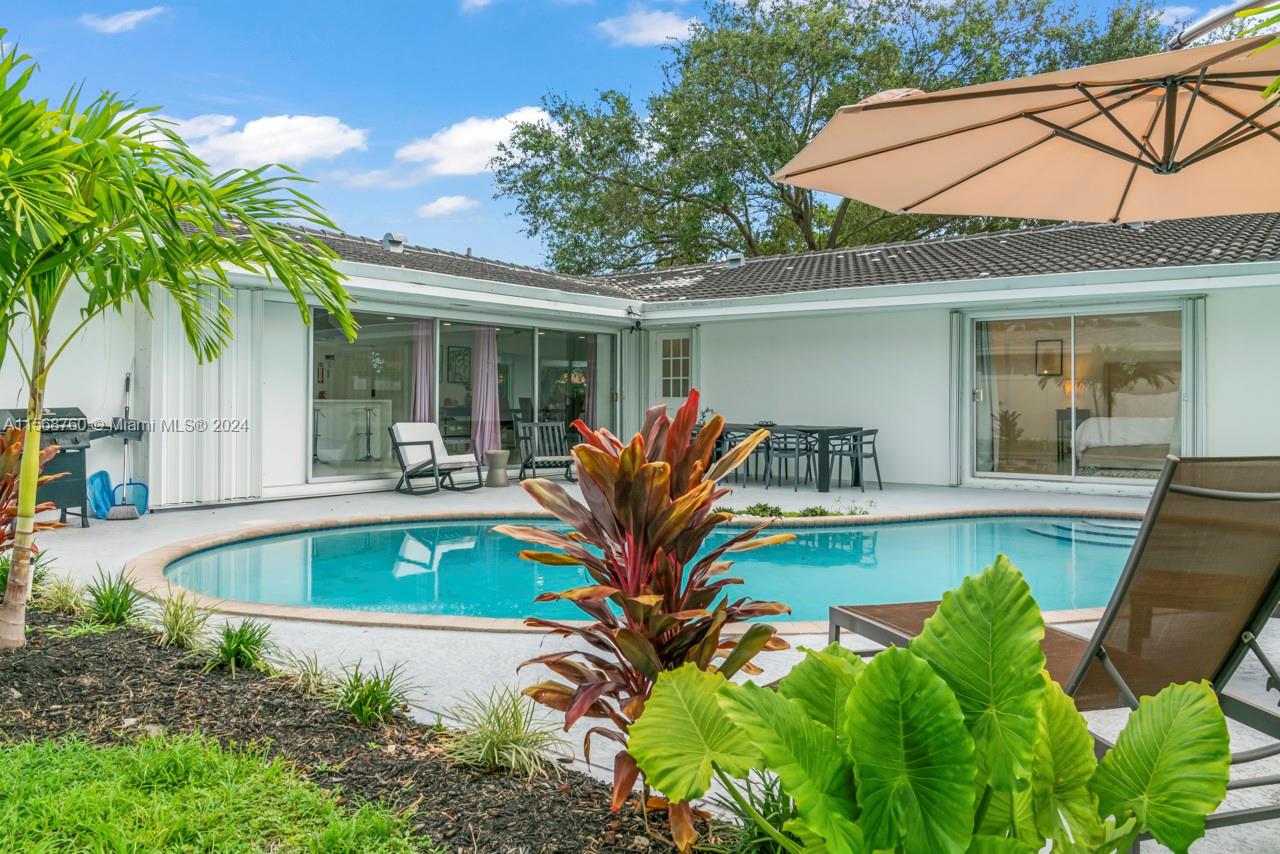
(1083, 396)
(676, 367)
(359, 389)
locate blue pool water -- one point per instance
(463, 568)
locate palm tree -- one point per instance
(104, 201)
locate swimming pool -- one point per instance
(462, 568)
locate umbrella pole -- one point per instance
(1209, 23)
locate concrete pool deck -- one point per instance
(447, 665)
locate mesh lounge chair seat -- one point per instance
(544, 445)
(1198, 588)
(421, 452)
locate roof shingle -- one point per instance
(1069, 248)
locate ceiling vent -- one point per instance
(736, 259)
(393, 242)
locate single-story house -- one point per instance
(1069, 357)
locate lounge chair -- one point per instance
(1198, 588)
(421, 452)
(544, 445)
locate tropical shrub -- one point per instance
(181, 621)
(372, 696)
(111, 599)
(304, 673)
(656, 600)
(958, 743)
(243, 645)
(10, 471)
(60, 594)
(502, 731)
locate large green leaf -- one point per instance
(1065, 810)
(804, 754)
(984, 641)
(821, 684)
(999, 845)
(913, 757)
(1169, 765)
(683, 733)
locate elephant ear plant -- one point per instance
(657, 602)
(959, 743)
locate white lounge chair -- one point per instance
(421, 452)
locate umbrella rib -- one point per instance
(1006, 158)
(1186, 116)
(1081, 139)
(1231, 143)
(841, 161)
(975, 173)
(1133, 172)
(1142, 149)
(1227, 108)
(1213, 145)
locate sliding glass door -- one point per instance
(486, 384)
(576, 377)
(1095, 395)
(359, 389)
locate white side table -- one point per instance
(495, 463)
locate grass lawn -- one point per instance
(176, 794)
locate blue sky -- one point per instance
(393, 106)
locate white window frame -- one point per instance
(964, 410)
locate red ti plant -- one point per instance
(657, 601)
(10, 460)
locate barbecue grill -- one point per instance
(69, 429)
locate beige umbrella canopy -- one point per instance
(1166, 136)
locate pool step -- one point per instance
(1085, 534)
(1091, 530)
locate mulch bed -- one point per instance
(116, 687)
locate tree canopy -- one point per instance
(682, 177)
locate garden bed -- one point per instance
(116, 687)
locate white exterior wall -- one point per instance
(286, 395)
(89, 374)
(1242, 332)
(192, 456)
(882, 369)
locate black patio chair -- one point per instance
(857, 447)
(788, 448)
(544, 445)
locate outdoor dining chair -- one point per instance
(544, 445)
(787, 448)
(1199, 586)
(420, 450)
(857, 448)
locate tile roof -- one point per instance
(1068, 248)
(1071, 248)
(365, 250)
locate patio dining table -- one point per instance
(823, 435)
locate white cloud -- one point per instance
(475, 5)
(1171, 15)
(378, 179)
(446, 206)
(122, 22)
(645, 27)
(291, 140)
(467, 147)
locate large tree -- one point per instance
(614, 185)
(101, 206)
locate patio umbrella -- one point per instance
(1177, 134)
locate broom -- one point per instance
(124, 510)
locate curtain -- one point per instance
(423, 376)
(486, 428)
(592, 387)
(987, 438)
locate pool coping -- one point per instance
(146, 571)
